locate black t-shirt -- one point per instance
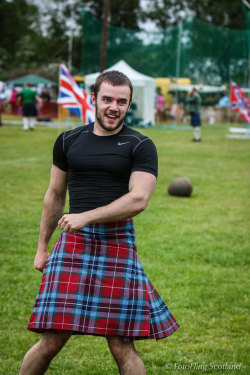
(99, 167)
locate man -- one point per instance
(93, 281)
(193, 102)
(29, 98)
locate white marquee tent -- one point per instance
(143, 90)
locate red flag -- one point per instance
(239, 102)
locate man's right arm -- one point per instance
(54, 202)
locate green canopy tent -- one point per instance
(33, 79)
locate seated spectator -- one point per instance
(160, 106)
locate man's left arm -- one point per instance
(141, 186)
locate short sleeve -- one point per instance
(145, 157)
(59, 157)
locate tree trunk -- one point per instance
(104, 35)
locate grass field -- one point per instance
(195, 251)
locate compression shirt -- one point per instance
(99, 167)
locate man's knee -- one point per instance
(51, 343)
(119, 348)
(127, 358)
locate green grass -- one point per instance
(195, 251)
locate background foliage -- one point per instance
(34, 34)
(203, 52)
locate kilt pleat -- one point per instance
(93, 283)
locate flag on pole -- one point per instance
(74, 98)
(240, 102)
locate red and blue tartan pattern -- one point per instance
(93, 283)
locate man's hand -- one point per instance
(71, 222)
(40, 260)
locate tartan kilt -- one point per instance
(93, 283)
(29, 110)
(195, 119)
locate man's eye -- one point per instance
(106, 100)
(123, 102)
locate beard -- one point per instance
(105, 127)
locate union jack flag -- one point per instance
(240, 102)
(74, 98)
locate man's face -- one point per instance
(111, 104)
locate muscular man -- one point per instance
(93, 281)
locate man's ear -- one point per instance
(93, 97)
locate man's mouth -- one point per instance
(112, 117)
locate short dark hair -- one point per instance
(115, 78)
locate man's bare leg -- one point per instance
(36, 361)
(128, 360)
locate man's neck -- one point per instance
(98, 130)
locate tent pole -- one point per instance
(177, 72)
(58, 106)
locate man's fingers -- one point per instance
(62, 218)
(69, 223)
(64, 224)
(66, 228)
(63, 227)
(39, 269)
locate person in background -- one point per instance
(193, 103)
(223, 108)
(2, 100)
(45, 95)
(46, 98)
(13, 102)
(160, 105)
(29, 98)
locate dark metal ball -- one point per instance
(180, 187)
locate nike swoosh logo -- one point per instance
(124, 143)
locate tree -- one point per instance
(19, 24)
(104, 35)
(222, 13)
(35, 36)
(124, 13)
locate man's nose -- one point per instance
(114, 106)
